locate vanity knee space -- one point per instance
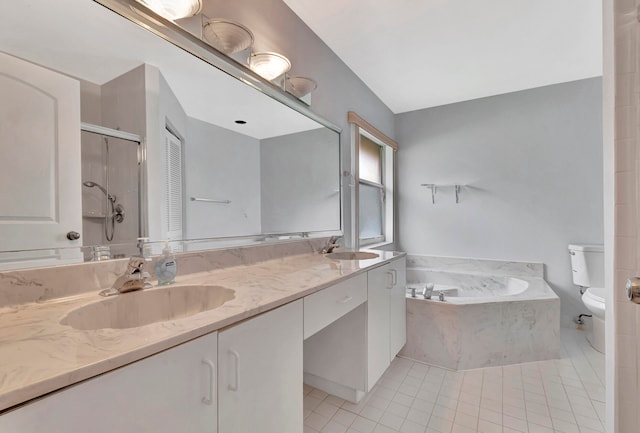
(346, 354)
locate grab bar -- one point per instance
(208, 200)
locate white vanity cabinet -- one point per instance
(349, 354)
(173, 391)
(386, 317)
(260, 373)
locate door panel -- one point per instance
(40, 197)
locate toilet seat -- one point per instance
(594, 300)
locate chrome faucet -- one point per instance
(133, 279)
(428, 290)
(331, 245)
(441, 296)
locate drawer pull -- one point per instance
(345, 299)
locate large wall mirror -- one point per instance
(110, 133)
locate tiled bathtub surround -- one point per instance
(483, 329)
(466, 273)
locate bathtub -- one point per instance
(494, 313)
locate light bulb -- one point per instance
(269, 65)
(174, 9)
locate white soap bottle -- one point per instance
(166, 267)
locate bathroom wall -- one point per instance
(290, 204)
(223, 165)
(116, 105)
(278, 29)
(122, 105)
(532, 163)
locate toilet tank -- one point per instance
(587, 265)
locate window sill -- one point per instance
(376, 245)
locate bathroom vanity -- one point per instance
(235, 368)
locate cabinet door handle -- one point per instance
(236, 362)
(394, 278)
(212, 381)
(345, 299)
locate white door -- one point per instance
(40, 190)
(260, 373)
(173, 391)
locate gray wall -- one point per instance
(300, 185)
(277, 28)
(222, 165)
(533, 163)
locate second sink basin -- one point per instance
(351, 255)
(130, 310)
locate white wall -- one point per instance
(533, 163)
(221, 165)
(300, 182)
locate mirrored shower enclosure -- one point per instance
(111, 177)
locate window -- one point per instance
(374, 173)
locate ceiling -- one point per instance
(416, 54)
(87, 41)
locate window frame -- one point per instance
(361, 127)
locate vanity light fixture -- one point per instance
(174, 9)
(299, 86)
(227, 36)
(269, 65)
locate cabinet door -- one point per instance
(260, 373)
(379, 286)
(397, 308)
(173, 391)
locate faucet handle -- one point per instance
(136, 264)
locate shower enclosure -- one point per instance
(111, 179)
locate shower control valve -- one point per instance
(633, 289)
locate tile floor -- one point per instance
(558, 396)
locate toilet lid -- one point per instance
(596, 293)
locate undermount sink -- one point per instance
(351, 255)
(130, 310)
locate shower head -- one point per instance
(91, 184)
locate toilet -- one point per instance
(587, 266)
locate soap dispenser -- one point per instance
(166, 267)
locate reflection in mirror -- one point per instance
(170, 148)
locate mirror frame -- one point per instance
(135, 12)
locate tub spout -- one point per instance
(428, 291)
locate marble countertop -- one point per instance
(39, 355)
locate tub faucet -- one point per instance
(331, 245)
(428, 291)
(133, 279)
(441, 296)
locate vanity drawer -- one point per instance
(326, 306)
